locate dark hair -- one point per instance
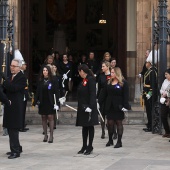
(86, 69)
(113, 59)
(49, 73)
(167, 71)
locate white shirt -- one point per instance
(164, 86)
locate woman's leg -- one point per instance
(110, 125)
(164, 117)
(120, 133)
(51, 125)
(103, 127)
(91, 136)
(44, 124)
(84, 137)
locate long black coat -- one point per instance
(87, 98)
(3, 98)
(13, 114)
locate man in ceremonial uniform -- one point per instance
(149, 87)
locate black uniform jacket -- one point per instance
(13, 114)
(87, 98)
(53, 90)
(115, 100)
(102, 81)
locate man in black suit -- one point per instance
(26, 97)
(14, 87)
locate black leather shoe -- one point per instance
(82, 150)
(20, 150)
(22, 130)
(26, 129)
(103, 135)
(45, 138)
(14, 155)
(88, 151)
(147, 129)
(50, 141)
(109, 143)
(118, 145)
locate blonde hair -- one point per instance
(107, 64)
(105, 54)
(118, 74)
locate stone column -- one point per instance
(131, 45)
(144, 14)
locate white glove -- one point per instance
(148, 96)
(88, 109)
(69, 79)
(162, 100)
(98, 106)
(56, 107)
(124, 110)
(140, 75)
(65, 76)
(95, 75)
(62, 100)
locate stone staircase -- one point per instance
(68, 117)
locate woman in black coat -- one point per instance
(46, 89)
(115, 95)
(87, 115)
(102, 81)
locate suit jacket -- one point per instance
(87, 98)
(13, 114)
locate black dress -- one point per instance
(46, 108)
(45, 96)
(116, 98)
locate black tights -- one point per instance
(50, 119)
(87, 130)
(111, 124)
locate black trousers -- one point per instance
(148, 105)
(14, 143)
(165, 110)
(24, 112)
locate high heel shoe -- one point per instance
(118, 145)
(45, 138)
(82, 150)
(88, 151)
(109, 143)
(50, 141)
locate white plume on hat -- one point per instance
(18, 55)
(156, 57)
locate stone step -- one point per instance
(68, 116)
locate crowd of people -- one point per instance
(109, 98)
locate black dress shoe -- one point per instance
(147, 129)
(82, 150)
(109, 143)
(45, 138)
(26, 129)
(103, 135)
(88, 151)
(20, 150)
(14, 155)
(22, 130)
(118, 145)
(51, 141)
